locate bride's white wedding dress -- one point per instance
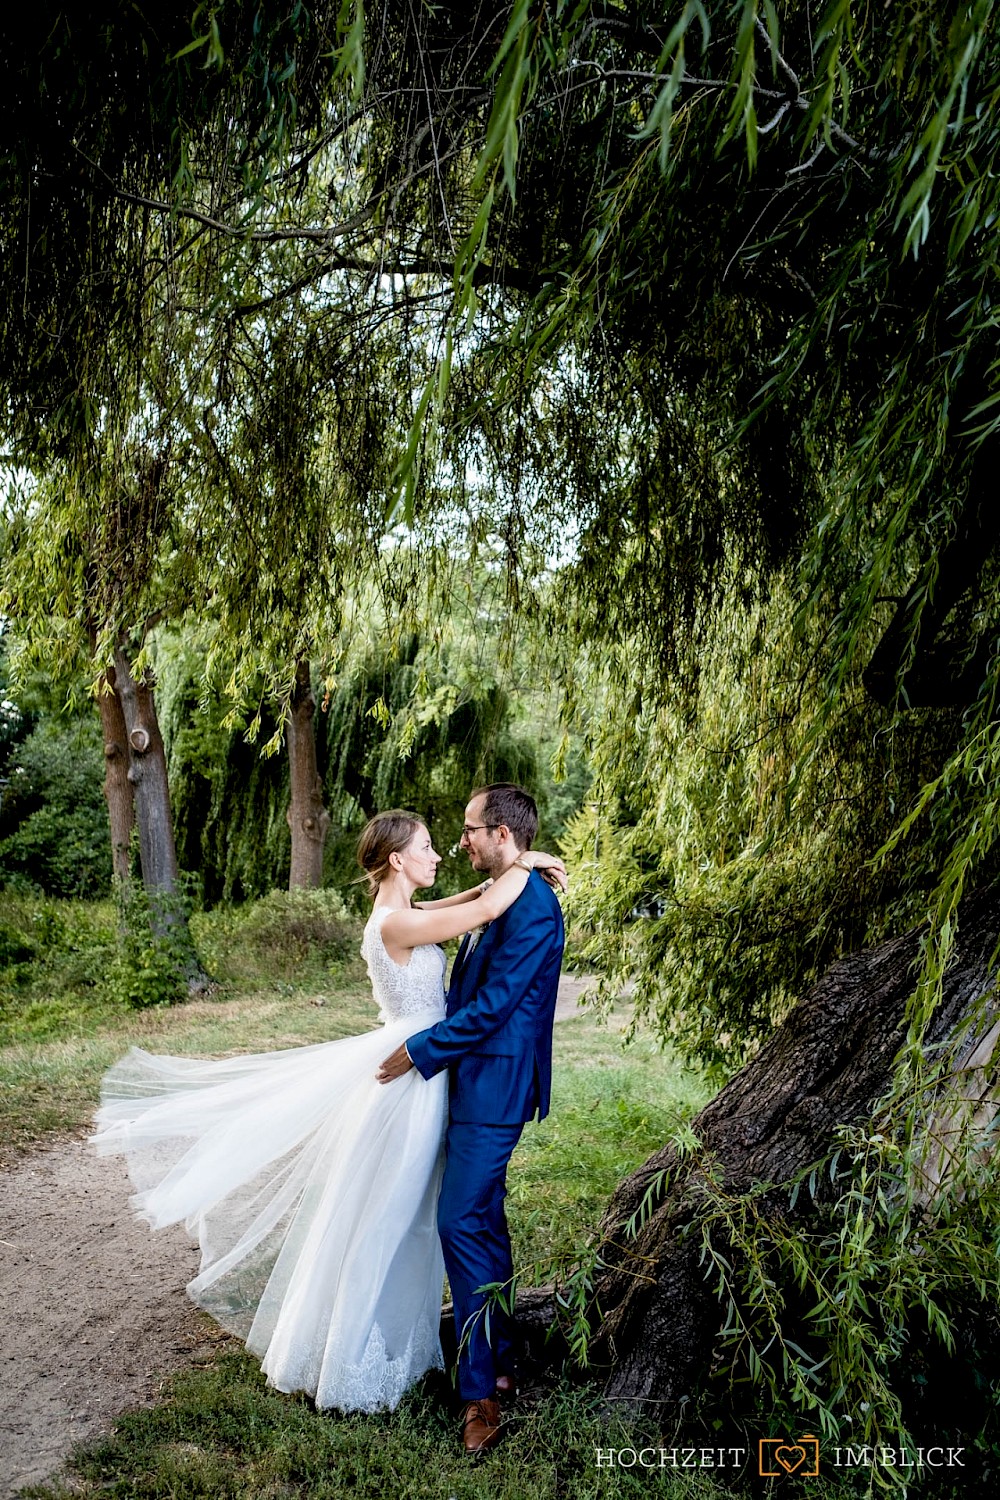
(311, 1189)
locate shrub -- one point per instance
(14, 948)
(54, 825)
(54, 961)
(153, 961)
(278, 936)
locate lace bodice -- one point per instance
(402, 990)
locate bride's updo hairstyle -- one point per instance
(387, 833)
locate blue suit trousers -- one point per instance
(473, 1229)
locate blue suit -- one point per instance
(496, 1041)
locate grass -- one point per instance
(219, 1433)
(611, 1108)
(222, 1435)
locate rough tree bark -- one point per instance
(117, 787)
(827, 1065)
(147, 774)
(308, 819)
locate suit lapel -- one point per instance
(466, 968)
(472, 962)
(461, 957)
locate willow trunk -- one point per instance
(117, 787)
(657, 1322)
(147, 774)
(308, 819)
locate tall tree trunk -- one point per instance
(308, 819)
(117, 786)
(147, 774)
(826, 1066)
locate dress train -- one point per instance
(311, 1189)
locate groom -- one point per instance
(496, 1041)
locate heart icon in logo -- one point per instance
(791, 1457)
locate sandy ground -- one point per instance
(92, 1308)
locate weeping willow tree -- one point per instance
(400, 721)
(696, 300)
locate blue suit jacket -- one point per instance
(496, 1037)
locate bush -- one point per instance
(144, 972)
(14, 948)
(55, 957)
(54, 825)
(154, 959)
(278, 936)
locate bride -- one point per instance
(311, 1189)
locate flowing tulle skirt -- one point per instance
(312, 1191)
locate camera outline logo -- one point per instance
(780, 1456)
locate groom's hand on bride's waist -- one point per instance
(395, 1065)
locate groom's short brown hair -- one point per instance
(510, 804)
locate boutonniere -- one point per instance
(476, 933)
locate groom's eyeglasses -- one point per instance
(468, 828)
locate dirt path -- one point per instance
(92, 1307)
(571, 987)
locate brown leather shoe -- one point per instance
(506, 1389)
(480, 1426)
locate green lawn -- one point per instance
(221, 1435)
(219, 1432)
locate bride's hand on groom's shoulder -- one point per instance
(549, 866)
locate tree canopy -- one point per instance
(739, 258)
(689, 300)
